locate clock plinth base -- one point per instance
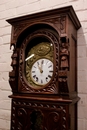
(44, 113)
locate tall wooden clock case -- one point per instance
(44, 75)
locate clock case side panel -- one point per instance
(72, 73)
(52, 86)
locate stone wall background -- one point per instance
(15, 8)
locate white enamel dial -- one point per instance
(42, 71)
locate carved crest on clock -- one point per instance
(58, 22)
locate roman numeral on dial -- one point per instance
(49, 76)
(51, 71)
(49, 66)
(33, 71)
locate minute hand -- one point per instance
(41, 71)
(41, 64)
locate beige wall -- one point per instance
(15, 8)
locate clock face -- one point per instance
(42, 71)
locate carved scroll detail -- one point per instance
(53, 120)
(59, 23)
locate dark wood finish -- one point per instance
(53, 107)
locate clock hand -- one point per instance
(41, 64)
(41, 71)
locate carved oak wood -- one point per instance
(54, 106)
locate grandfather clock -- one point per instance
(44, 75)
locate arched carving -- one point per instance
(51, 88)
